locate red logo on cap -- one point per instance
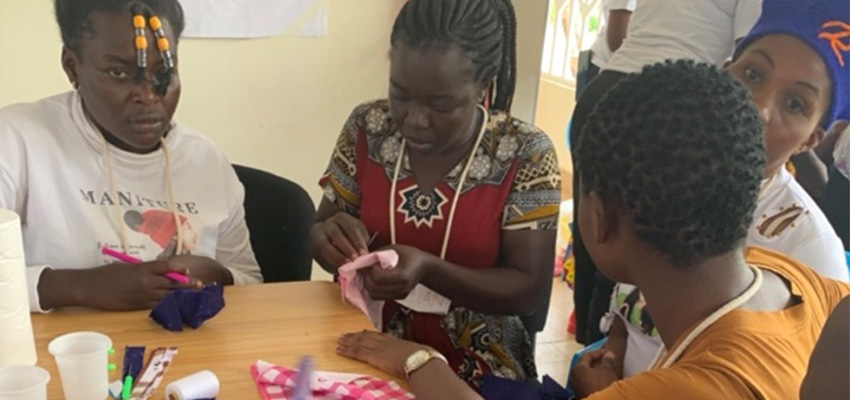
(837, 38)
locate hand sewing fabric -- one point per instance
(351, 284)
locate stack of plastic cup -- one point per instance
(23, 382)
(82, 359)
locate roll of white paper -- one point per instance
(200, 385)
(17, 343)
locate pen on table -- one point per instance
(302, 388)
(133, 360)
(174, 276)
(127, 388)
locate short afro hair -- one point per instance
(74, 16)
(679, 147)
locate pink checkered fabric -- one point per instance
(276, 382)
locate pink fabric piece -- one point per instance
(351, 284)
(276, 382)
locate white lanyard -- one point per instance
(727, 308)
(117, 201)
(766, 186)
(485, 118)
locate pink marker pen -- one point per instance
(174, 276)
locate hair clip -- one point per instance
(141, 43)
(162, 42)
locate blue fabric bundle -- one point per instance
(190, 307)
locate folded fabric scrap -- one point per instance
(190, 307)
(351, 284)
(420, 299)
(276, 382)
(495, 388)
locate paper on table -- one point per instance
(425, 300)
(17, 343)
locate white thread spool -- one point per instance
(200, 385)
(17, 343)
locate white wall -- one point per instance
(277, 104)
(531, 27)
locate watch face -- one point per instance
(416, 360)
(417, 357)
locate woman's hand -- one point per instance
(379, 350)
(340, 239)
(617, 341)
(397, 283)
(594, 371)
(826, 148)
(117, 287)
(204, 269)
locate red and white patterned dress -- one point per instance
(513, 184)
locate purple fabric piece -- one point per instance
(190, 307)
(133, 362)
(495, 388)
(167, 313)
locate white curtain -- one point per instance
(254, 18)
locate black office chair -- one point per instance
(279, 214)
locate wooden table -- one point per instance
(277, 323)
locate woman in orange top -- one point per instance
(830, 362)
(737, 324)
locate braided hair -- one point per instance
(679, 148)
(485, 30)
(74, 16)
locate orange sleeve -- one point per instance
(834, 291)
(678, 382)
(828, 292)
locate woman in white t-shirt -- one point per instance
(105, 166)
(701, 30)
(615, 24)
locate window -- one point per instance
(573, 26)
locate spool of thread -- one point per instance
(17, 343)
(200, 385)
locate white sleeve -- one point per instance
(9, 193)
(747, 13)
(628, 5)
(234, 244)
(13, 194)
(13, 170)
(825, 255)
(33, 276)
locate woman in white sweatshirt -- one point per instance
(105, 166)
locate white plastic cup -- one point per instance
(82, 358)
(23, 382)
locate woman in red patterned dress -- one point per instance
(464, 193)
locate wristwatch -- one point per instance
(419, 359)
